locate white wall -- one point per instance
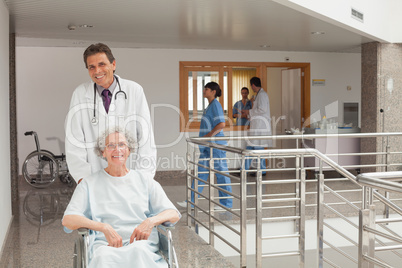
(5, 188)
(377, 22)
(46, 78)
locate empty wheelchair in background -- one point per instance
(166, 248)
(42, 167)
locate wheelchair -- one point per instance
(166, 248)
(42, 167)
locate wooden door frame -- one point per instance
(261, 71)
(305, 84)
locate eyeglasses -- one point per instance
(112, 146)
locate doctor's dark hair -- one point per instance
(101, 142)
(98, 48)
(255, 81)
(214, 87)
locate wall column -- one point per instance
(381, 91)
(13, 128)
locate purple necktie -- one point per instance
(105, 94)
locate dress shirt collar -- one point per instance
(111, 88)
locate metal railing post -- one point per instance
(211, 181)
(366, 239)
(302, 210)
(363, 238)
(387, 155)
(188, 184)
(195, 195)
(297, 192)
(258, 227)
(320, 216)
(387, 149)
(371, 236)
(243, 214)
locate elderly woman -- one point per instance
(122, 206)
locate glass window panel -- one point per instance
(351, 114)
(196, 101)
(241, 78)
(225, 93)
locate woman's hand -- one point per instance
(112, 237)
(143, 231)
(216, 129)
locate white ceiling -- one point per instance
(179, 24)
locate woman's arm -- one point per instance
(235, 111)
(73, 222)
(143, 231)
(216, 129)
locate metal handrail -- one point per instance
(280, 152)
(293, 137)
(384, 181)
(304, 153)
(381, 180)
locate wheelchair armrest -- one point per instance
(168, 225)
(166, 247)
(81, 249)
(165, 229)
(83, 231)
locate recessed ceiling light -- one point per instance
(317, 33)
(265, 46)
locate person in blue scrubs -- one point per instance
(243, 104)
(212, 123)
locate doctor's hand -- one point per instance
(112, 237)
(143, 231)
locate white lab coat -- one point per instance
(260, 120)
(131, 115)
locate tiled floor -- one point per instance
(36, 237)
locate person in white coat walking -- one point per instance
(106, 101)
(260, 121)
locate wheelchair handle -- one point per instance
(28, 133)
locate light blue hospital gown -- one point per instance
(124, 203)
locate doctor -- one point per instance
(105, 102)
(260, 120)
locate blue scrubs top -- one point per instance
(212, 116)
(237, 108)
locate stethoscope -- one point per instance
(95, 120)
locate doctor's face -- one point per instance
(101, 70)
(254, 88)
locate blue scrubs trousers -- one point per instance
(248, 160)
(221, 165)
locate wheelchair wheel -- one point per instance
(78, 257)
(40, 169)
(46, 151)
(41, 208)
(67, 179)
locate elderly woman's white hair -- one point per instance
(101, 142)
